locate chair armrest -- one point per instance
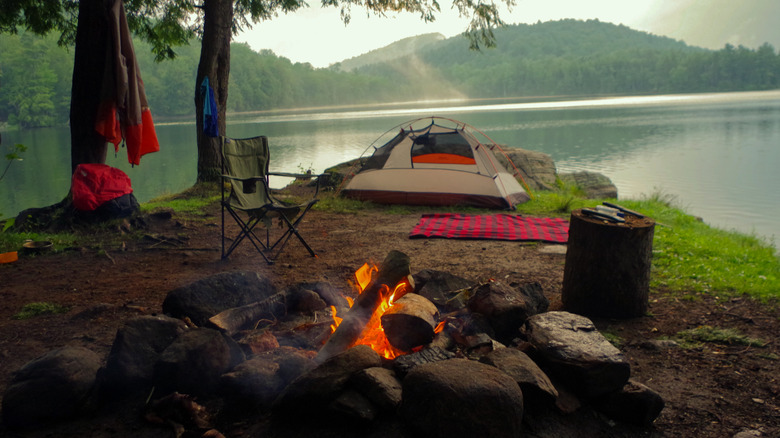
(302, 176)
(235, 178)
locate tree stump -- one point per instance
(607, 270)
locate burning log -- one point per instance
(395, 268)
(235, 319)
(410, 322)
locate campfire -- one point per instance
(386, 315)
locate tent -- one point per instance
(441, 163)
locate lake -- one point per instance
(716, 153)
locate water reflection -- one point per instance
(716, 152)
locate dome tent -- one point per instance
(440, 164)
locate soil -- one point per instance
(711, 390)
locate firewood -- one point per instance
(393, 269)
(237, 318)
(410, 322)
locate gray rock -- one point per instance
(136, 349)
(405, 363)
(380, 385)
(533, 381)
(440, 287)
(576, 353)
(595, 185)
(316, 389)
(536, 168)
(635, 403)
(55, 386)
(255, 380)
(354, 405)
(331, 295)
(204, 298)
(506, 307)
(194, 362)
(304, 300)
(261, 378)
(459, 397)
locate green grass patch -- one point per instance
(192, 201)
(32, 310)
(725, 336)
(691, 256)
(10, 241)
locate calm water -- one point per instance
(717, 153)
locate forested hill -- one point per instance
(571, 57)
(567, 57)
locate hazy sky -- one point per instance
(318, 35)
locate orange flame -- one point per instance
(373, 335)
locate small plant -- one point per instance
(725, 336)
(613, 339)
(32, 310)
(14, 155)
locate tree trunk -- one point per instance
(92, 39)
(607, 270)
(214, 63)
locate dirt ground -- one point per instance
(711, 391)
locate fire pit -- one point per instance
(429, 354)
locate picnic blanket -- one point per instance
(500, 226)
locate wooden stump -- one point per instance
(607, 271)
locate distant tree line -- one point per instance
(567, 57)
(574, 57)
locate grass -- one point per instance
(32, 310)
(695, 337)
(10, 241)
(692, 257)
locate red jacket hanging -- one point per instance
(124, 111)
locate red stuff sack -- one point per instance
(95, 184)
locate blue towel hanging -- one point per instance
(210, 113)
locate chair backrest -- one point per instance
(247, 159)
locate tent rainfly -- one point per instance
(437, 166)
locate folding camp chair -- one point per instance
(245, 165)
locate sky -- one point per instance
(318, 36)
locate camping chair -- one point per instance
(245, 165)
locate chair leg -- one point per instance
(247, 232)
(292, 230)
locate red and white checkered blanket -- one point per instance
(500, 226)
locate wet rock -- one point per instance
(575, 352)
(459, 397)
(55, 386)
(205, 298)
